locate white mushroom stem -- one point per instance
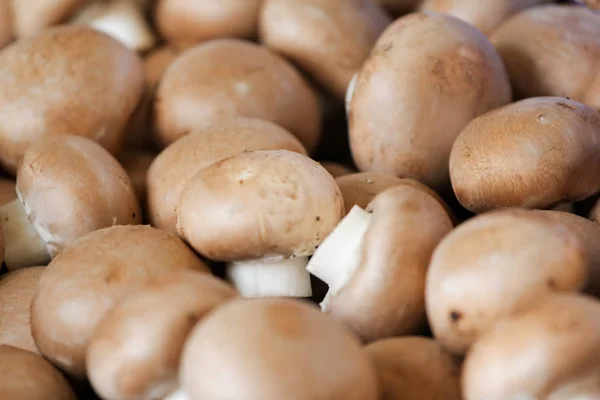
(271, 278)
(23, 246)
(338, 257)
(177, 395)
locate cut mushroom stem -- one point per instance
(338, 257)
(271, 278)
(23, 246)
(177, 395)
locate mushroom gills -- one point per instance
(338, 257)
(271, 277)
(177, 395)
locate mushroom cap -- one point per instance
(386, 294)
(157, 62)
(273, 203)
(33, 16)
(336, 169)
(225, 78)
(90, 277)
(69, 186)
(27, 376)
(184, 20)
(17, 289)
(415, 368)
(493, 264)
(137, 164)
(135, 351)
(535, 153)
(273, 349)
(6, 25)
(212, 142)
(550, 350)
(437, 73)
(66, 80)
(8, 191)
(328, 39)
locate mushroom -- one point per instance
(226, 78)
(428, 76)
(134, 352)
(179, 162)
(16, 292)
(67, 186)
(157, 62)
(495, 264)
(535, 153)
(33, 16)
(6, 25)
(273, 207)
(86, 280)
(273, 349)
(593, 4)
(549, 351)
(375, 262)
(539, 45)
(336, 169)
(67, 80)
(415, 368)
(198, 21)
(27, 376)
(8, 191)
(328, 39)
(137, 164)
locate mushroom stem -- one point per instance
(338, 257)
(179, 394)
(23, 246)
(271, 278)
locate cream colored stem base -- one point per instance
(271, 278)
(23, 247)
(177, 395)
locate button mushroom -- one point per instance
(375, 262)
(264, 212)
(33, 16)
(273, 349)
(85, 281)
(67, 186)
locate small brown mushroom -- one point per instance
(33, 16)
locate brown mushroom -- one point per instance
(336, 169)
(8, 191)
(137, 164)
(157, 62)
(33, 16)
(85, 281)
(6, 25)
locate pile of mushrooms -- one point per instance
(299, 200)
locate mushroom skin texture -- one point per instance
(415, 368)
(179, 162)
(535, 153)
(495, 264)
(538, 46)
(455, 75)
(550, 350)
(6, 28)
(281, 349)
(17, 289)
(8, 191)
(226, 78)
(336, 169)
(198, 21)
(66, 80)
(33, 16)
(85, 281)
(67, 186)
(155, 322)
(27, 376)
(330, 39)
(377, 278)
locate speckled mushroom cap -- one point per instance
(535, 153)
(69, 186)
(66, 80)
(17, 289)
(8, 191)
(494, 264)
(87, 279)
(135, 351)
(415, 368)
(266, 203)
(273, 349)
(330, 39)
(27, 376)
(225, 78)
(179, 162)
(183, 20)
(33, 16)
(6, 25)
(551, 351)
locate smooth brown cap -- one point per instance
(33, 16)
(137, 164)
(135, 351)
(69, 186)
(90, 277)
(225, 78)
(157, 61)
(27, 376)
(8, 191)
(266, 203)
(273, 349)
(66, 80)
(179, 162)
